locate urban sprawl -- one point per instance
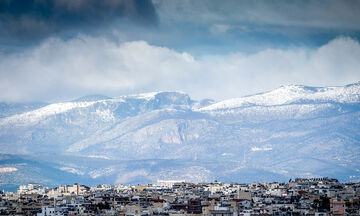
(315, 196)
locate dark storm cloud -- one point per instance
(329, 14)
(35, 19)
(254, 25)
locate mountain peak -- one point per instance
(89, 98)
(153, 95)
(289, 94)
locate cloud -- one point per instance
(63, 70)
(84, 64)
(36, 19)
(212, 26)
(219, 29)
(199, 27)
(323, 14)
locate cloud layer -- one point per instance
(198, 27)
(64, 70)
(331, 14)
(35, 19)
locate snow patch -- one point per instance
(33, 117)
(99, 156)
(261, 149)
(7, 169)
(72, 170)
(106, 115)
(101, 172)
(146, 96)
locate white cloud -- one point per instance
(89, 65)
(60, 69)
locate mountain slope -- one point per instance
(294, 94)
(288, 132)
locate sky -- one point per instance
(59, 50)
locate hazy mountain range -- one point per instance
(292, 131)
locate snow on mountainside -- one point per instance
(284, 95)
(8, 109)
(292, 131)
(293, 94)
(131, 105)
(32, 117)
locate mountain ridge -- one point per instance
(354, 96)
(317, 127)
(288, 91)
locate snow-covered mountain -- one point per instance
(288, 132)
(293, 94)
